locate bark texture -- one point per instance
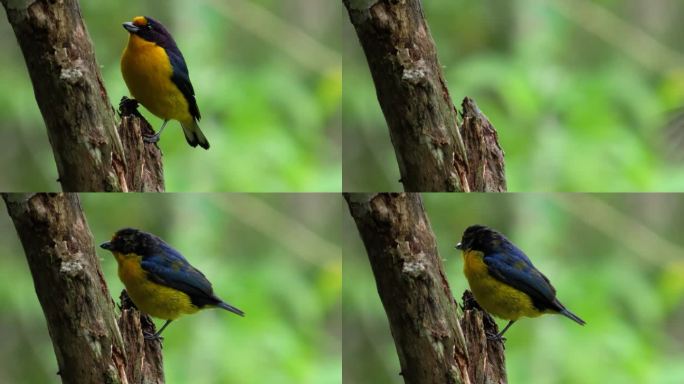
(432, 346)
(73, 294)
(485, 156)
(487, 362)
(144, 172)
(414, 98)
(71, 95)
(145, 364)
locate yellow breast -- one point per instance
(495, 297)
(147, 72)
(151, 298)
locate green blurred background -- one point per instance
(615, 260)
(268, 80)
(586, 95)
(277, 257)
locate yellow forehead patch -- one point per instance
(139, 21)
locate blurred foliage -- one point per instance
(615, 260)
(277, 257)
(268, 80)
(585, 95)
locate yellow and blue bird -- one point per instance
(156, 75)
(503, 279)
(159, 280)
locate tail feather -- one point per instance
(194, 135)
(572, 316)
(230, 308)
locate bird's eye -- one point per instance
(149, 27)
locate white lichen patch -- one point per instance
(71, 268)
(415, 268)
(438, 346)
(72, 74)
(415, 74)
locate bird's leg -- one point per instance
(157, 336)
(154, 138)
(499, 336)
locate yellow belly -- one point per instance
(495, 297)
(147, 72)
(151, 298)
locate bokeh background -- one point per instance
(585, 95)
(616, 261)
(267, 76)
(277, 257)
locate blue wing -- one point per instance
(512, 267)
(169, 268)
(181, 78)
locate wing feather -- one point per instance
(169, 268)
(514, 268)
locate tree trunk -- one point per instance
(71, 96)
(144, 171)
(74, 296)
(485, 156)
(145, 363)
(432, 346)
(413, 96)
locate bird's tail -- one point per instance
(230, 308)
(572, 316)
(194, 135)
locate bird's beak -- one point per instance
(106, 245)
(459, 246)
(130, 27)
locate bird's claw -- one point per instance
(152, 336)
(151, 138)
(495, 337)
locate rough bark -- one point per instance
(485, 156)
(71, 95)
(145, 364)
(414, 98)
(486, 359)
(422, 313)
(73, 294)
(144, 171)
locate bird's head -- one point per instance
(480, 238)
(148, 29)
(129, 241)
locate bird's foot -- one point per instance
(495, 337)
(151, 138)
(152, 336)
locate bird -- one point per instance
(159, 280)
(157, 77)
(503, 279)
